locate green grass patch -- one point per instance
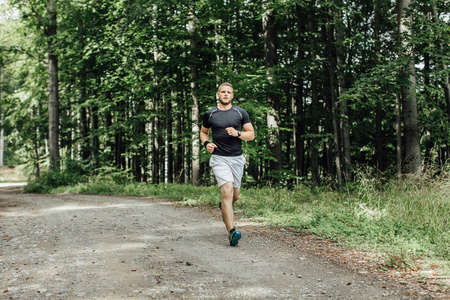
(194, 195)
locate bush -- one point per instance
(74, 172)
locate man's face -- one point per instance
(225, 94)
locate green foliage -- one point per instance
(191, 195)
(113, 175)
(401, 217)
(125, 81)
(73, 173)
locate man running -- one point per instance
(230, 125)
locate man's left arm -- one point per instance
(249, 133)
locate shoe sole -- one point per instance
(235, 239)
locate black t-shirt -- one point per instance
(218, 120)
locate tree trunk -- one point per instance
(379, 135)
(273, 101)
(333, 101)
(187, 149)
(195, 106)
(315, 176)
(107, 123)
(314, 118)
(154, 109)
(379, 114)
(178, 165)
(139, 155)
(409, 101)
(428, 143)
(169, 140)
(299, 127)
(398, 133)
(36, 143)
(119, 147)
(343, 107)
(84, 124)
(155, 143)
(94, 135)
(328, 154)
(53, 103)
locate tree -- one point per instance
(53, 103)
(273, 101)
(409, 101)
(318, 78)
(194, 93)
(342, 87)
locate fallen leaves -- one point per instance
(434, 266)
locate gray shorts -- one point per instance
(228, 168)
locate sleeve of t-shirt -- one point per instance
(245, 117)
(206, 120)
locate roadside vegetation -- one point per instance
(11, 174)
(404, 222)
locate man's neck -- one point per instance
(224, 107)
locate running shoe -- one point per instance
(234, 237)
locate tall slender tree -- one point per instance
(273, 100)
(53, 103)
(195, 102)
(408, 91)
(342, 106)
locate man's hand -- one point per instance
(231, 131)
(210, 147)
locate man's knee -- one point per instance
(227, 190)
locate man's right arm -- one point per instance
(204, 136)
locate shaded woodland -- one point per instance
(331, 86)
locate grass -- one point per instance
(405, 221)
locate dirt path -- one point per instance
(109, 247)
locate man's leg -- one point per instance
(227, 194)
(236, 193)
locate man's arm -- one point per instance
(247, 135)
(204, 136)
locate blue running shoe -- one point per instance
(234, 237)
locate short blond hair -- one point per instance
(225, 84)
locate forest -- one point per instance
(331, 86)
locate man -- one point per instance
(230, 125)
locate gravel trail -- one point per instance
(110, 247)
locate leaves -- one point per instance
(125, 80)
